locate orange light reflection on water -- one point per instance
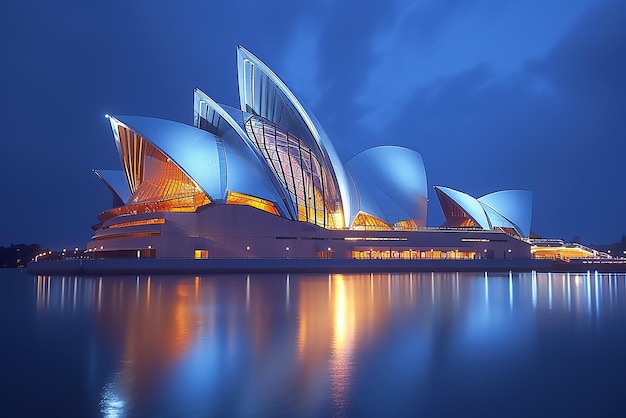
(304, 332)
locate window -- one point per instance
(201, 254)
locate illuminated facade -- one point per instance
(264, 180)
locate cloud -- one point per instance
(300, 62)
(554, 127)
(588, 68)
(429, 40)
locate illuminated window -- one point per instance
(154, 178)
(467, 223)
(561, 252)
(184, 204)
(301, 171)
(406, 224)
(324, 254)
(201, 254)
(366, 221)
(127, 235)
(235, 198)
(155, 221)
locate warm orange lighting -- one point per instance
(154, 221)
(235, 198)
(366, 221)
(560, 252)
(127, 235)
(185, 204)
(157, 184)
(410, 254)
(467, 223)
(406, 224)
(302, 172)
(201, 254)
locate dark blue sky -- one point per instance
(494, 95)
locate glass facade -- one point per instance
(366, 221)
(263, 93)
(154, 221)
(235, 198)
(153, 177)
(185, 204)
(299, 170)
(407, 224)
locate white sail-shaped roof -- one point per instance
(391, 183)
(263, 93)
(228, 127)
(215, 165)
(513, 205)
(502, 209)
(468, 204)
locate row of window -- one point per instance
(414, 255)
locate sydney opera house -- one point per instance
(263, 180)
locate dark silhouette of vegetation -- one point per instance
(18, 255)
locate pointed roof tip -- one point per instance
(445, 188)
(243, 52)
(241, 48)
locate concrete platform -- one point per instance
(87, 267)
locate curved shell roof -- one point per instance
(215, 164)
(262, 92)
(229, 129)
(515, 206)
(506, 208)
(391, 183)
(468, 204)
(243, 150)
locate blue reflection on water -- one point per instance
(433, 344)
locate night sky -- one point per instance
(495, 95)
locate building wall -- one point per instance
(234, 231)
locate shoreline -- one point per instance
(90, 267)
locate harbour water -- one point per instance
(421, 344)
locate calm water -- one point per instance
(426, 345)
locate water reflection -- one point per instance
(314, 344)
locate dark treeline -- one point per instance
(18, 255)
